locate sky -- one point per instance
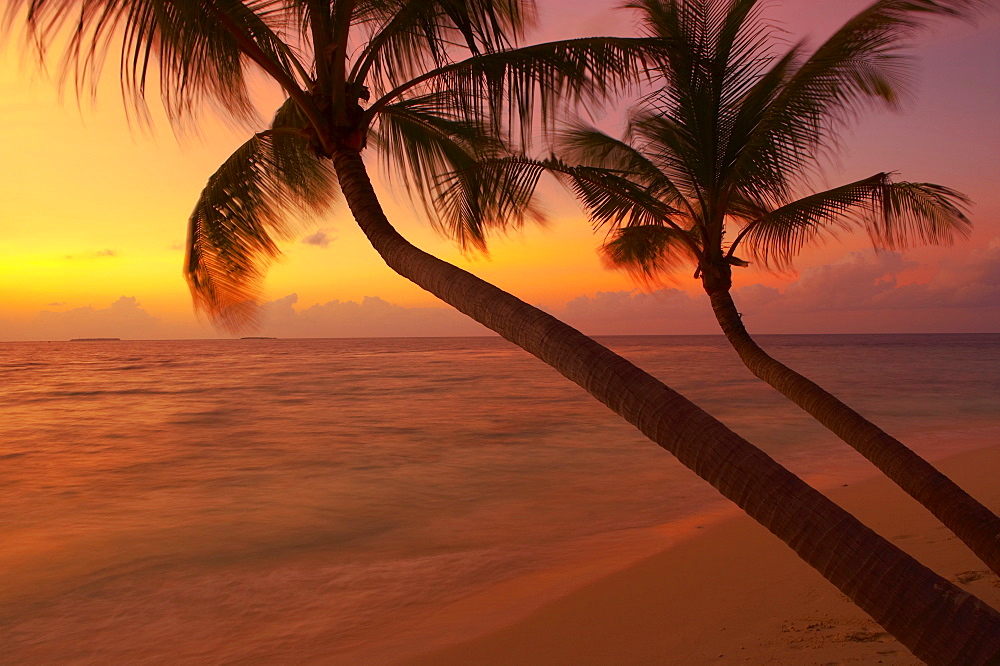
(93, 220)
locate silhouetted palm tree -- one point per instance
(442, 78)
(714, 162)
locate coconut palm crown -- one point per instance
(437, 86)
(714, 161)
(711, 171)
(724, 149)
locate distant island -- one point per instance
(94, 339)
(258, 337)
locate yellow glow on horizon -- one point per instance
(95, 210)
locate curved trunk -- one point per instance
(932, 617)
(972, 522)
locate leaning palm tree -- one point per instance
(712, 168)
(445, 87)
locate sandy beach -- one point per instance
(735, 594)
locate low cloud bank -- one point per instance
(862, 292)
(373, 317)
(124, 318)
(859, 293)
(665, 311)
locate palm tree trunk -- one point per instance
(972, 522)
(933, 618)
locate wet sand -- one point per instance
(735, 594)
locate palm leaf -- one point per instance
(649, 253)
(860, 65)
(200, 49)
(499, 192)
(589, 146)
(425, 146)
(614, 200)
(907, 213)
(488, 195)
(896, 215)
(515, 87)
(244, 210)
(409, 37)
(766, 176)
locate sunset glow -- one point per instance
(95, 210)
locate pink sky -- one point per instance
(94, 218)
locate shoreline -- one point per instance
(708, 607)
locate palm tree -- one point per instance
(442, 78)
(714, 161)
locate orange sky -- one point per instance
(94, 211)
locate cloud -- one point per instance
(127, 319)
(124, 318)
(862, 292)
(372, 317)
(634, 312)
(857, 281)
(56, 305)
(320, 239)
(870, 280)
(93, 254)
(971, 283)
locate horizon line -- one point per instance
(110, 340)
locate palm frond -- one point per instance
(715, 51)
(863, 64)
(409, 37)
(499, 192)
(246, 207)
(678, 152)
(743, 50)
(767, 175)
(589, 146)
(614, 200)
(490, 195)
(695, 121)
(200, 49)
(681, 27)
(514, 88)
(649, 253)
(905, 214)
(896, 215)
(423, 144)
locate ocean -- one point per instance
(358, 501)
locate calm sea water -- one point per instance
(329, 500)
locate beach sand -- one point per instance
(736, 594)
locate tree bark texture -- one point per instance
(934, 619)
(972, 522)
